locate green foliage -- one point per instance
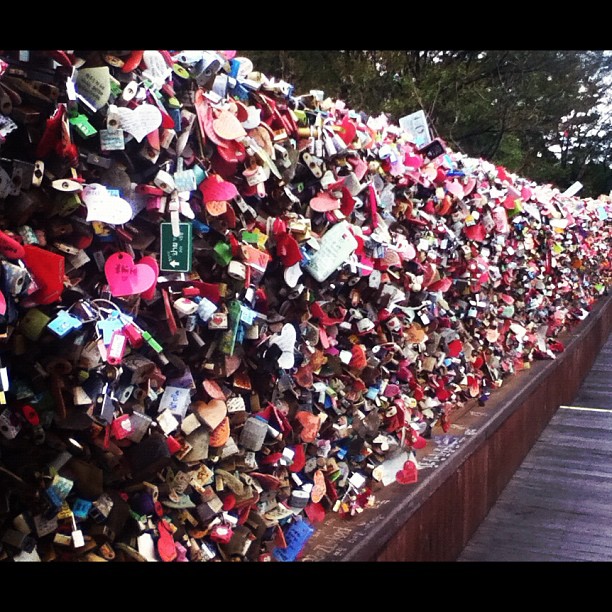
(506, 106)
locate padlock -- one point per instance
(18, 540)
(253, 434)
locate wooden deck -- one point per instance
(558, 504)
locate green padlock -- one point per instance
(222, 253)
(82, 126)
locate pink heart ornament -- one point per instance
(455, 188)
(215, 189)
(324, 202)
(127, 278)
(150, 261)
(228, 127)
(469, 186)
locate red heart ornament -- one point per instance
(127, 278)
(214, 188)
(150, 261)
(299, 458)
(47, 268)
(454, 348)
(475, 232)
(315, 512)
(419, 443)
(288, 249)
(348, 130)
(408, 474)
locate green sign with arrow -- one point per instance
(176, 251)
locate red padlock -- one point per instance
(221, 534)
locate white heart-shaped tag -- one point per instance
(104, 206)
(139, 121)
(286, 343)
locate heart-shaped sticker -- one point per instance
(104, 206)
(408, 474)
(139, 121)
(211, 413)
(286, 342)
(127, 278)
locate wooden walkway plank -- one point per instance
(558, 505)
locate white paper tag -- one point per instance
(337, 245)
(104, 206)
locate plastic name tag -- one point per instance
(176, 250)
